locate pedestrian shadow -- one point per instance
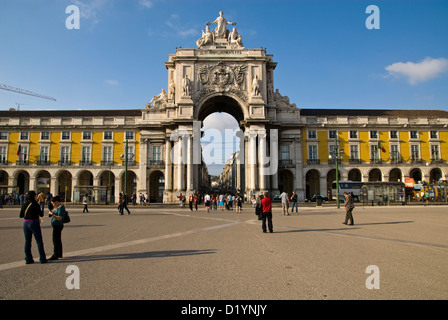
(314, 230)
(343, 228)
(138, 255)
(391, 222)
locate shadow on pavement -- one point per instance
(138, 255)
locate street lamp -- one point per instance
(337, 155)
(125, 156)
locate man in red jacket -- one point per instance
(266, 203)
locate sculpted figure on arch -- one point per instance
(221, 31)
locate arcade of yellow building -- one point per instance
(154, 150)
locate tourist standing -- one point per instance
(294, 202)
(31, 215)
(266, 203)
(349, 206)
(285, 203)
(85, 201)
(190, 201)
(57, 215)
(41, 200)
(207, 202)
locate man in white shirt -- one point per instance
(285, 203)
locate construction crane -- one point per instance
(30, 93)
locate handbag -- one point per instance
(66, 218)
(24, 215)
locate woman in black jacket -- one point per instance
(30, 213)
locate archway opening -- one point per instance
(156, 186)
(312, 180)
(222, 133)
(435, 175)
(395, 175)
(375, 175)
(220, 151)
(416, 174)
(43, 182)
(285, 181)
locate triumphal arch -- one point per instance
(221, 75)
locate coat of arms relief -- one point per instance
(221, 78)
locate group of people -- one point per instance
(11, 198)
(32, 214)
(214, 201)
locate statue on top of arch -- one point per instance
(220, 33)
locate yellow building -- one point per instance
(374, 145)
(76, 152)
(70, 152)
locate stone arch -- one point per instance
(219, 102)
(156, 186)
(375, 175)
(416, 174)
(286, 181)
(395, 175)
(435, 174)
(43, 181)
(312, 182)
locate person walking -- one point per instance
(266, 203)
(239, 204)
(285, 203)
(125, 204)
(196, 200)
(85, 201)
(57, 215)
(259, 207)
(31, 214)
(349, 206)
(190, 201)
(41, 200)
(294, 202)
(207, 199)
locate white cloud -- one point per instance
(146, 3)
(181, 30)
(427, 69)
(112, 82)
(90, 9)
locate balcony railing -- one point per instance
(65, 163)
(284, 162)
(333, 161)
(375, 161)
(396, 160)
(156, 162)
(313, 161)
(436, 161)
(43, 162)
(21, 162)
(130, 163)
(85, 162)
(354, 161)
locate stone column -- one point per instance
(168, 166)
(262, 159)
(252, 159)
(189, 152)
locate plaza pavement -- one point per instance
(170, 253)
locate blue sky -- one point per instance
(326, 56)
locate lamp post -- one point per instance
(337, 155)
(125, 157)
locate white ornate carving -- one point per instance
(221, 78)
(159, 101)
(220, 35)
